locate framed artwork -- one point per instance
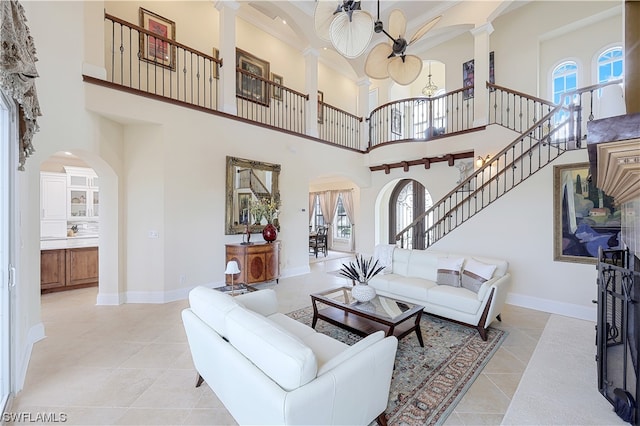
(320, 107)
(396, 121)
(584, 218)
(244, 200)
(276, 92)
(156, 49)
(216, 68)
(249, 87)
(468, 69)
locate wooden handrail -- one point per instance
(521, 94)
(159, 37)
(340, 111)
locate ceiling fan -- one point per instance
(347, 27)
(388, 59)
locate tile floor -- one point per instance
(130, 364)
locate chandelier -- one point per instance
(430, 88)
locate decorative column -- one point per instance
(363, 110)
(481, 49)
(227, 36)
(311, 87)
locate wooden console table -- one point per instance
(257, 262)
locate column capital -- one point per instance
(226, 4)
(364, 81)
(482, 29)
(310, 51)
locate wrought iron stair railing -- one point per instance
(554, 130)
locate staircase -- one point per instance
(546, 132)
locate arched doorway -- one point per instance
(409, 199)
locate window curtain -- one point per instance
(18, 72)
(332, 196)
(312, 201)
(347, 203)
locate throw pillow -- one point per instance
(449, 271)
(475, 274)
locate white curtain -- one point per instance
(312, 202)
(18, 72)
(347, 203)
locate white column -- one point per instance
(481, 49)
(363, 111)
(227, 83)
(311, 87)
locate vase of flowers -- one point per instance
(360, 272)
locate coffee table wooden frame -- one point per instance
(363, 323)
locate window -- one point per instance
(565, 79)
(317, 219)
(610, 65)
(342, 225)
(422, 113)
(408, 201)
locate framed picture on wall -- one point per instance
(216, 67)
(320, 107)
(157, 50)
(276, 92)
(468, 75)
(252, 79)
(396, 121)
(584, 218)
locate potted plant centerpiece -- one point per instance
(360, 272)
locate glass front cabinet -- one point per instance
(83, 197)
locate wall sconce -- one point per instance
(232, 269)
(482, 161)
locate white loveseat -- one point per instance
(267, 368)
(463, 288)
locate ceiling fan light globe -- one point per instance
(351, 36)
(405, 71)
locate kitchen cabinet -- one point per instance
(67, 269)
(257, 262)
(53, 205)
(83, 193)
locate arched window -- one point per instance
(610, 65)
(409, 200)
(564, 79)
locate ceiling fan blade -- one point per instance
(397, 23)
(351, 37)
(405, 71)
(424, 29)
(323, 17)
(377, 61)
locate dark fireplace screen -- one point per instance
(617, 331)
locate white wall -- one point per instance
(162, 166)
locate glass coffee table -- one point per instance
(394, 317)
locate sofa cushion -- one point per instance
(401, 261)
(449, 271)
(350, 351)
(324, 347)
(457, 298)
(280, 355)
(475, 273)
(212, 307)
(384, 254)
(411, 287)
(292, 326)
(423, 264)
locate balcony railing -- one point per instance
(147, 62)
(421, 118)
(339, 127)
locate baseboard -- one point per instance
(156, 296)
(109, 299)
(553, 306)
(36, 333)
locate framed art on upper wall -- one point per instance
(216, 68)
(320, 107)
(584, 217)
(157, 49)
(276, 91)
(468, 75)
(396, 121)
(252, 81)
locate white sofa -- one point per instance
(267, 368)
(473, 296)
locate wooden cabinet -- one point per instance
(83, 196)
(257, 262)
(67, 269)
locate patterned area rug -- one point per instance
(427, 382)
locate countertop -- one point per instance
(68, 243)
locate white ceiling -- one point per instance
(457, 17)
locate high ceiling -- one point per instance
(458, 17)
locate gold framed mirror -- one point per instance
(247, 180)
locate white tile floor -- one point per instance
(130, 364)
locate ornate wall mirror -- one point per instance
(247, 181)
